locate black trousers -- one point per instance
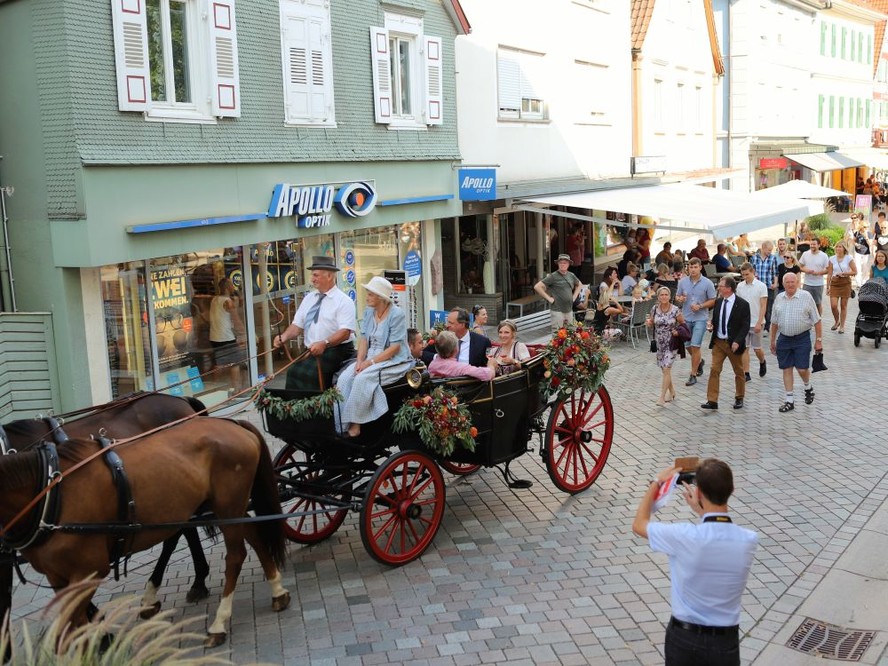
(303, 376)
(772, 294)
(688, 648)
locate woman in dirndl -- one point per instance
(838, 284)
(383, 357)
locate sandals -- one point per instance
(809, 396)
(834, 327)
(786, 407)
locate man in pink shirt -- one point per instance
(445, 364)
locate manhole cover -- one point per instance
(830, 641)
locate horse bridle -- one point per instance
(47, 512)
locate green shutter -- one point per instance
(868, 109)
(823, 29)
(869, 49)
(821, 99)
(841, 112)
(853, 44)
(832, 110)
(844, 41)
(833, 40)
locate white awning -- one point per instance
(872, 157)
(824, 161)
(690, 208)
(799, 189)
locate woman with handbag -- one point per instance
(838, 284)
(665, 318)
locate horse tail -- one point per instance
(196, 405)
(266, 500)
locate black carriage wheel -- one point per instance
(578, 439)
(459, 469)
(403, 508)
(307, 528)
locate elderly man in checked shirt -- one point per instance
(795, 314)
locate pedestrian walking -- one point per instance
(795, 314)
(665, 317)
(729, 326)
(560, 289)
(696, 295)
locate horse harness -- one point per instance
(49, 508)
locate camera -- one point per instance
(687, 469)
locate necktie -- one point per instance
(723, 319)
(314, 312)
(459, 351)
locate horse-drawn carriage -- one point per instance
(394, 480)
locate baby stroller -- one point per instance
(872, 322)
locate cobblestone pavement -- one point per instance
(538, 577)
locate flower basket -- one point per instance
(575, 358)
(316, 406)
(441, 421)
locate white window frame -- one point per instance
(518, 93)
(659, 120)
(594, 105)
(212, 61)
(315, 93)
(425, 72)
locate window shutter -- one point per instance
(508, 73)
(434, 61)
(131, 54)
(307, 59)
(223, 58)
(382, 76)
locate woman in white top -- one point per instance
(838, 284)
(223, 338)
(511, 353)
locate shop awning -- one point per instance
(689, 208)
(798, 189)
(824, 161)
(872, 157)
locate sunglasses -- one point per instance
(789, 257)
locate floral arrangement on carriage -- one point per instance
(441, 421)
(430, 335)
(317, 406)
(575, 358)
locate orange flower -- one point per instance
(473, 431)
(562, 333)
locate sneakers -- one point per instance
(786, 407)
(691, 381)
(700, 368)
(738, 403)
(747, 376)
(809, 395)
(763, 368)
(709, 404)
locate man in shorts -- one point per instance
(560, 289)
(754, 292)
(814, 265)
(794, 315)
(696, 295)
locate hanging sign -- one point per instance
(413, 264)
(477, 184)
(773, 163)
(312, 205)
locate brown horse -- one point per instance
(126, 417)
(202, 464)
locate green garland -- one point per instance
(318, 406)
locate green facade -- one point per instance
(83, 171)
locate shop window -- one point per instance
(308, 62)
(519, 80)
(176, 59)
(407, 68)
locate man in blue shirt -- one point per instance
(721, 261)
(709, 565)
(696, 295)
(765, 264)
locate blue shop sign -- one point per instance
(477, 184)
(437, 317)
(413, 264)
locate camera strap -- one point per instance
(717, 519)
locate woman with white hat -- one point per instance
(383, 357)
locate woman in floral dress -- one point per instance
(665, 317)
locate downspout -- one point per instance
(9, 283)
(636, 102)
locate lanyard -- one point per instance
(717, 519)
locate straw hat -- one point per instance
(379, 286)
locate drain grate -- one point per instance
(830, 641)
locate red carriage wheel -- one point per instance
(403, 508)
(578, 439)
(297, 475)
(460, 469)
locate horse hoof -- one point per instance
(280, 603)
(150, 611)
(215, 640)
(197, 593)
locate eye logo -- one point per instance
(355, 199)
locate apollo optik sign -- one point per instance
(477, 184)
(312, 205)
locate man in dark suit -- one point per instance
(729, 326)
(472, 346)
